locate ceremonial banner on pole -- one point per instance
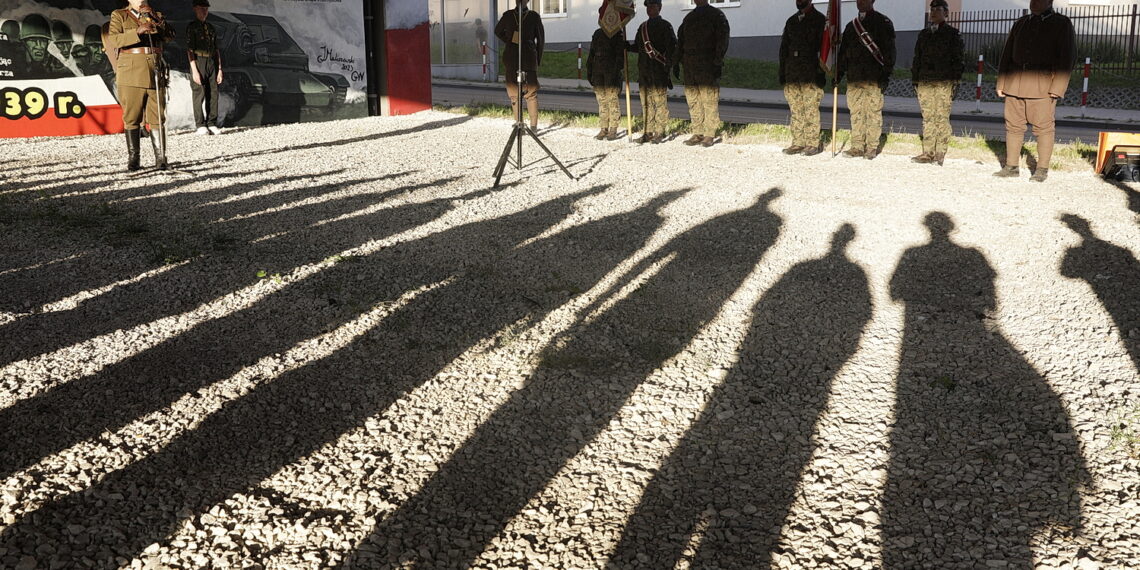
(829, 47)
(614, 15)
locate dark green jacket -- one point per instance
(938, 55)
(799, 49)
(605, 64)
(650, 72)
(856, 62)
(702, 41)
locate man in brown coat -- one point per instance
(138, 33)
(1032, 75)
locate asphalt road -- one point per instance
(739, 112)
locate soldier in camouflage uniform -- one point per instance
(702, 42)
(936, 70)
(867, 62)
(655, 43)
(802, 76)
(604, 69)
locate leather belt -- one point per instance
(143, 50)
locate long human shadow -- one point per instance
(983, 456)
(212, 275)
(495, 283)
(1113, 273)
(441, 124)
(722, 496)
(206, 353)
(581, 383)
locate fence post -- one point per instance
(1085, 88)
(484, 50)
(1131, 39)
(579, 62)
(978, 89)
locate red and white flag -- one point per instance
(832, 32)
(614, 15)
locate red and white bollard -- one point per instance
(978, 89)
(579, 62)
(1085, 87)
(484, 50)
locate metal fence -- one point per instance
(1106, 34)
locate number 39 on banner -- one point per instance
(33, 103)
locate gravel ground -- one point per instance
(336, 345)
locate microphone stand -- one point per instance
(520, 128)
(161, 92)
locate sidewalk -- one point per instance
(1096, 118)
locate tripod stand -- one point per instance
(520, 128)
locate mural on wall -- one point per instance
(283, 61)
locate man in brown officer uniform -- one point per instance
(1032, 75)
(138, 33)
(528, 33)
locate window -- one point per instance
(717, 3)
(550, 7)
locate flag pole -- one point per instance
(834, 113)
(628, 104)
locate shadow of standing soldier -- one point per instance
(732, 479)
(584, 379)
(1114, 274)
(982, 454)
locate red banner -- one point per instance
(829, 47)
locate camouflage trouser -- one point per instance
(935, 98)
(655, 108)
(803, 100)
(609, 114)
(865, 102)
(704, 109)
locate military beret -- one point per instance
(939, 4)
(648, 2)
(206, 3)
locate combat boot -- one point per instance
(694, 140)
(658, 138)
(1007, 172)
(871, 153)
(853, 153)
(924, 158)
(708, 141)
(1039, 175)
(158, 145)
(794, 149)
(938, 158)
(613, 136)
(132, 150)
(602, 134)
(812, 151)
(645, 137)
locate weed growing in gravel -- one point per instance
(945, 382)
(1126, 432)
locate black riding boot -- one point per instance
(158, 143)
(132, 150)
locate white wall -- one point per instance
(749, 18)
(971, 5)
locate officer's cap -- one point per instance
(648, 2)
(939, 4)
(203, 3)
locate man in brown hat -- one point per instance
(138, 33)
(1032, 75)
(205, 68)
(936, 70)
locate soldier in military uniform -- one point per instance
(138, 33)
(802, 76)
(61, 37)
(35, 32)
(654, 43)
(527, 32)
(604, 67)
(702, 42)
(205, 69)
(866, 59)
(936, 70)
(1032, 75)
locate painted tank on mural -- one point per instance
(264, 65)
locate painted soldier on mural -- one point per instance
(36, 35)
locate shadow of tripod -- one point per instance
(520, 128)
